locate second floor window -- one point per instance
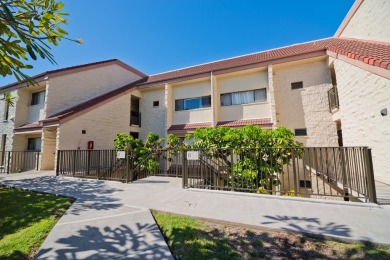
(244, 97)
(38, 98)
(192, 103)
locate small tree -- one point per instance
(261, 153)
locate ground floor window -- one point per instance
(34, 144)
(134, 135)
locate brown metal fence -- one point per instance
(343, 173)
(19, 161)
(94, 164)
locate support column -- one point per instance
(214, 99)
(169, 103)
(271, 94)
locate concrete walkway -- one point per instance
(98, 225)
(110, 218)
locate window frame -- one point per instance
(254, 97)
(34, 145)
(201, 102)
(32, 103)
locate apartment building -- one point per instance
(41, 119)
(329, 92)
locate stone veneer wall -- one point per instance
(371, 21)
(49, 135)
(362, 95)
(7, 126)
(321, 130)
(289, 108)
(153, 118)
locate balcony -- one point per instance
(135, 118)
(333, 99)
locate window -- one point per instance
(244, 97)
(297, 85)
(301, 132)
(305, 184)
(38, 98)
(192, 103)
(156, 103)
(134, 134)
(6, 110)
(2, 151)
(34, 144)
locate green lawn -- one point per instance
(26, 218)
(191, 238)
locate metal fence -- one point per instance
(94, 164)
(19, 161)
(343, 173)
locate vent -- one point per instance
(300, 132)
(297, 85)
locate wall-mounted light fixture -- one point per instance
(384, 112)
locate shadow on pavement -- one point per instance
(310, 225)
(94, 191)
(108, 243)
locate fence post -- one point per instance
(294, 172)
(8, 161)
(231, 169)
(74, 163)
(37, 160)
(58, 163)
(184, 169)
(127, 166)
(370, 176)
(344, 173)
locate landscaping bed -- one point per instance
(26, 219)
(192, 238)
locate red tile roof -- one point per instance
(253, 58)
(244, 122)
(370, 52)
(30, 126)
(189, 127)
(78, 67)
(373, 53)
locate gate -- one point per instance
(19, 161)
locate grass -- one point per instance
(191, 238)
(26, 218)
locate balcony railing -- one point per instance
(333, 99)
(135, 118)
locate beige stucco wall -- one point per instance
(362, 95)
(191, 90)
(101, 125)
(153, 118)
(321, 130)
(289, 108)
(371, 21)
(68, 90)
(242, 81)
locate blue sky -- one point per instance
(161, 35)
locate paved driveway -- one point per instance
(111, 219)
